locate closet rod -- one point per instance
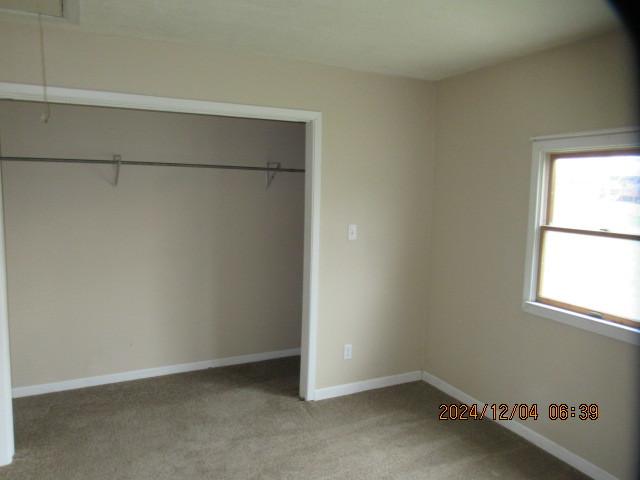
(158, 164)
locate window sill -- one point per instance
(585, 322)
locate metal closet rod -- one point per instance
(155, 164)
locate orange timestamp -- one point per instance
(584, 411)
(519, 411)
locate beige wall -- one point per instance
(376, 171)
(173, 265)
(478, 338)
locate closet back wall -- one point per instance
(173, 265)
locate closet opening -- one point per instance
(148, 236)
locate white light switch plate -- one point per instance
(348, 351)
(352, 231)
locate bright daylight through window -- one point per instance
(589, 245)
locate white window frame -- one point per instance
(543, 147)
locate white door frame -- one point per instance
(313, 120)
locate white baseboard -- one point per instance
(6, 459)
(532, 436)
(380, 382)
(148, 372)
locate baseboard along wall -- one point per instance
(518, 428)
(528, 434)
(364, 385)
(148, 373)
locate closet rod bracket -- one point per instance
(271, 172)
(117, 160)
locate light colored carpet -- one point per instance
(246, 422)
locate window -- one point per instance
(583, 259)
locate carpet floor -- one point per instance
(246, 422)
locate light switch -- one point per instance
(353, 231)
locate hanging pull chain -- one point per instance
(47, 108)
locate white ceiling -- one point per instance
(429, 39)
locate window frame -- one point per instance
(544, 149)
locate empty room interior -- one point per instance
(319, 240)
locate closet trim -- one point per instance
(313, 154)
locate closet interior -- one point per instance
(141, 239)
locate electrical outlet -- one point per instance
(348, 351)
